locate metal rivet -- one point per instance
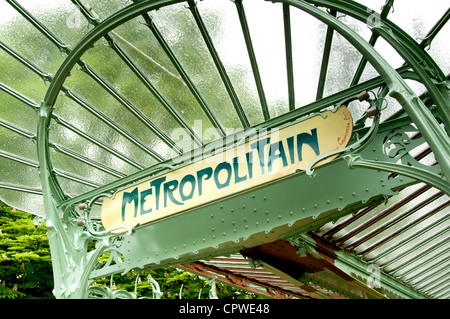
(364, 95)
(372, 111)
(81, 222)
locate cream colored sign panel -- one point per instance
(256, 162)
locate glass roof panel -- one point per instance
(176, 24)
(438, 49)
(125, 109)
(20, 78)
(21, 35)
(17, 113)
(27, 176)
(419, 19)
(267, 34)
(342, 65)
(61, 17)
(15, 143)
(306, 58)
(23, 200)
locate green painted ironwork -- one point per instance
(286, 208)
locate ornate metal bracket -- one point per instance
(394, 155)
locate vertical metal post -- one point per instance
(289, 59)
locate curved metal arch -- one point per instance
(46, 109)
(411, 51)
(398, 88)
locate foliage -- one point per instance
(26, 270)
(25, 263)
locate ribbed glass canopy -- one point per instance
(151, 81)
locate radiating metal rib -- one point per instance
(373, 39)
(195, 92)
(130, 106)
(22, 189)
(325, 59)
(108, 87)
(252, 57)
(97, 142)
(435, 30)
(218, 63)
(140, 75)
(76, 98)
(73, 128)
(112, 124)
(393, 222)
(378, 217)
(289, 57)
(413, 260)
(407, 241)
(41, 27)
(45, 76)
(63, 150)
(33, 164)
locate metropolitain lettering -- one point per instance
(263, 157)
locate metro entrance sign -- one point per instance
(256, 162)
